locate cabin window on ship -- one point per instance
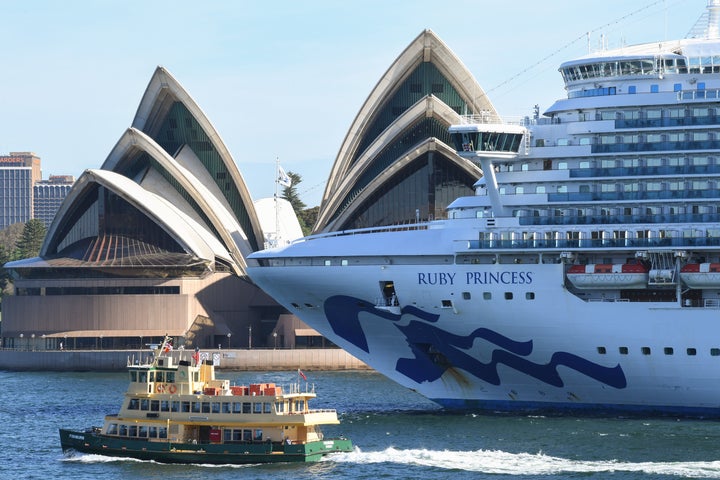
(134, 404)
(279, 407)
(257, 407)
(144, 404)
(112, 429)
(215, 407)
(155, 405)
(205, 407)
(246, 407)
(175, 406)
(164, 406)
(226, 407)
(185, 407)
(237, 407)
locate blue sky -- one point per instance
(279, 79)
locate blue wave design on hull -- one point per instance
(436, 350)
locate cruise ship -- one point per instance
(582, 276)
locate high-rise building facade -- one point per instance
(18, 173)
(48, 195)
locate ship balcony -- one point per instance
(604, 243)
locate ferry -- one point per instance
(580, 277)
(176, 411)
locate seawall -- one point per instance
(117, 360)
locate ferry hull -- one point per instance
(91, 442)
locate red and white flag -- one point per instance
(302, 374)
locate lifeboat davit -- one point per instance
(601, 276)
(701, 275)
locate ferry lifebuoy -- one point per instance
(160, 388)
(172, 389)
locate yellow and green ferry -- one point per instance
(176, 411)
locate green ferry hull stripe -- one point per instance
(167, 452)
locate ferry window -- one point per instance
(170, 377)
(300, 405)
(143, 431)
(215, 407)
(185, 407)
(258, 435)
(279, 407)
(123, 431)
(196, 376)
(508, 295)
(257, 407)
(205, 407)
(195, 407)
(132, 431)
(227, 435)
(715, 352)
(164, 406)
(466, 295)
(134, 404)
(237, 407)
(668, 350)
(247, 435)
(144, 404)
(175, 406)
(153, 432)
(247, 407)
(155, 405)
(601, 350)
(162, 432)
(529, 295)
(691, 351)
(226, 407)
(623, 350)
(237, 435)
(645, 350)
(133, 376)
(267, 407)
(112, 429)
(142, 377)
(152, 376)
(487, 295)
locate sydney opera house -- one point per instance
(156, 240)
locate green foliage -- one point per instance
(32, 238)
(290, 193)
(306, 216)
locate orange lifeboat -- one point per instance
(701, 275)
(602, 276)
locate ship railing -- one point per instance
(486, 118)
(711, 303)
(363, 231)
(583, 243)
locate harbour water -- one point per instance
(397, 433)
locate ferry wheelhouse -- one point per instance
(176, 411)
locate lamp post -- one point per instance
(229, 335)
(250, 337)
(21, 337)
(32, 336)
(275, 339)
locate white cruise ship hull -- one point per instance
(499, 336)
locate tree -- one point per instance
(31, 240)
(290, 193)
(307, 218)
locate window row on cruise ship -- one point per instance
(641, 66)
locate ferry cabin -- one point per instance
(185, 404)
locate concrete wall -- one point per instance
(116, 360)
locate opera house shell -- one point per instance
(156, 240)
